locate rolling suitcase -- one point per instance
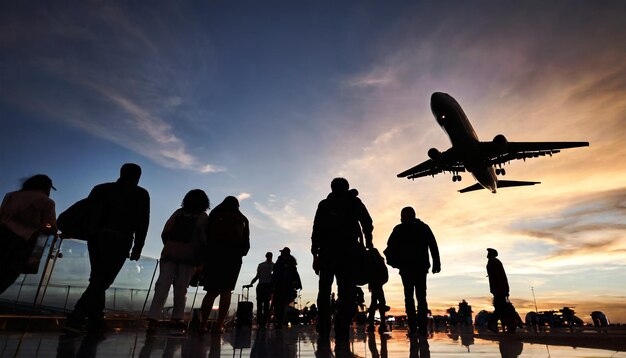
(244, 308)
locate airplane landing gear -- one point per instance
(500, 171)
(456, 178)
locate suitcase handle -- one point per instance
(245, 292)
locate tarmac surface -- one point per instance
(301, 341)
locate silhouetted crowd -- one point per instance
(207, 249)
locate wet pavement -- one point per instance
(301, 341)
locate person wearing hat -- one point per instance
(286, 282)
(498, 286)
(263, 290)
(24, 215)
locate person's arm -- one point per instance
(366, 223)
(142, 225)
(316, 236)
(255, 277)
(434, 249)
(246, 236)
(49, 219)
(169, 225)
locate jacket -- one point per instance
(408, 246)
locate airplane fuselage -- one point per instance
(465, 143)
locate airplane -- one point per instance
(483, 160)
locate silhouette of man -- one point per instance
(335, 238)
(407, 249)
(263, 289)
(120, 214)
(498, 286)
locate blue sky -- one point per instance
(271, 100)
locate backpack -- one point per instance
(79, 221)
(183, 228)
(378, 272)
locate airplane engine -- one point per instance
(434, 154)
(500, 142)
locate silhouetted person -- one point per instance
(335, 239)
(599, 319)
(285, 281)
(465, 313)
(499, 288)
(379, 275)
(123, 209)
(184, 238)
(263, 290)
(407, 249)
(229, 241)
(24, 215)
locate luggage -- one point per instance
(244, 308)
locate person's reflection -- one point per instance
(216, 346)
(467, 339)
(88, 345)
(371, 344)
(323, 349)
(511, 348)
(259, 348)
(419, 347)
(172, 347)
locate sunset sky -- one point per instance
(269, 101)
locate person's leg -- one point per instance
(326, 277)
(223, 309)
(409, 303)
(207, 305)
(382, 307)
(161, 289)
(181, 283)
(422, 303)
(346, 301)
(259, 305)
(12, 257)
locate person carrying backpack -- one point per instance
(184, 237)
(337, 227)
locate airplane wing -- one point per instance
(430, 167)
(499, 153)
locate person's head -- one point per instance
(407, 214)
(130, 173)
(285, 251)
(196, 200)
(230, 202)
(39, 182)
(269, 256)
(339, 185)
(491, 253)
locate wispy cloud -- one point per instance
(284, 214)
(123, 85)
(244, 196)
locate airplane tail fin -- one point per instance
(501, 184)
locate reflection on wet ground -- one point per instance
(293, 342)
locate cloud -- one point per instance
(244, 196)
(284, 214)
(593, 225)
(113, 79)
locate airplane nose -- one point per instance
(437, 101)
